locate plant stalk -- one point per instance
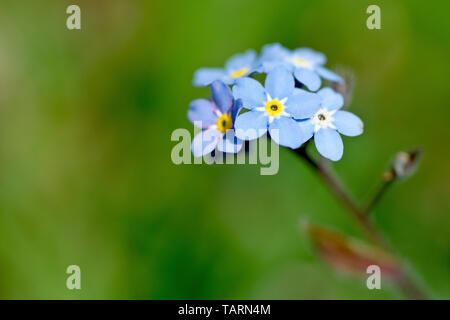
(406, 283)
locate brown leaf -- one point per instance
(349, 255)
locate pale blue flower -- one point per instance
(274, 108)
(238, 66)
(216, 117)
(327, 122)
(305, 64)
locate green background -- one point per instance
(86, 176)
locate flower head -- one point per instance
(238, 66)
(327, 122)
(216, 117)
(306, 64)
(274, 108)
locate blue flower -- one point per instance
(328, 122)
(274, 108)
(306, 64)
(216, 117)
(238, 66)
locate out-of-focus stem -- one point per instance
(388, 180)
(406, 284)
(342, 194)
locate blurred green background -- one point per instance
(86, 176)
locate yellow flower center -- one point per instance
(300, 62)
(224, 123)
(239, 73)
(274, 107)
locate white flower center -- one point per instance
(323, 119)
(274, 108)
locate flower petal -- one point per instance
(229, 143)
(298, 91)
(348, 124)
(273, 52)
(202, 110)
(250, 91)
(268, 66)
(205, 76)
(316, 58)
(280, 83)
(241, 60)
(307, 128)
(222, 96)
(303, 104)
(272, 56)
(329, 144)
(308, 77)
(251, 125)
(237, 107)
(205, 142)
(286, 132)
(328, 74)
(331, 100)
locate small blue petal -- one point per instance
(280, 83)
(251, 125)
(202, 110)
(286, 132)
(303, 104)
(273, 52)
(241, 60)
(328, 74)
(228, 80)
(229, 143)
(329, 144)
(308, 77)
(268, 66)
(237, 107)
(348, 124)
(250, 91)
(307, 128)
(257, 67)
(205, 76)
(331, 100)
(205, 142)
(299, 91)
(222, 96)
(314, 57)
(274, 55)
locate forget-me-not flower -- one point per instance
(238, 66)
(216, 117)
(273, 108)
(328, 121)
(306, 64)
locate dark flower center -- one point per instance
(274, 107)
(321, 117)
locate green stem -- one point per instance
(378, 195)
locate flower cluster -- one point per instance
(290, 106)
